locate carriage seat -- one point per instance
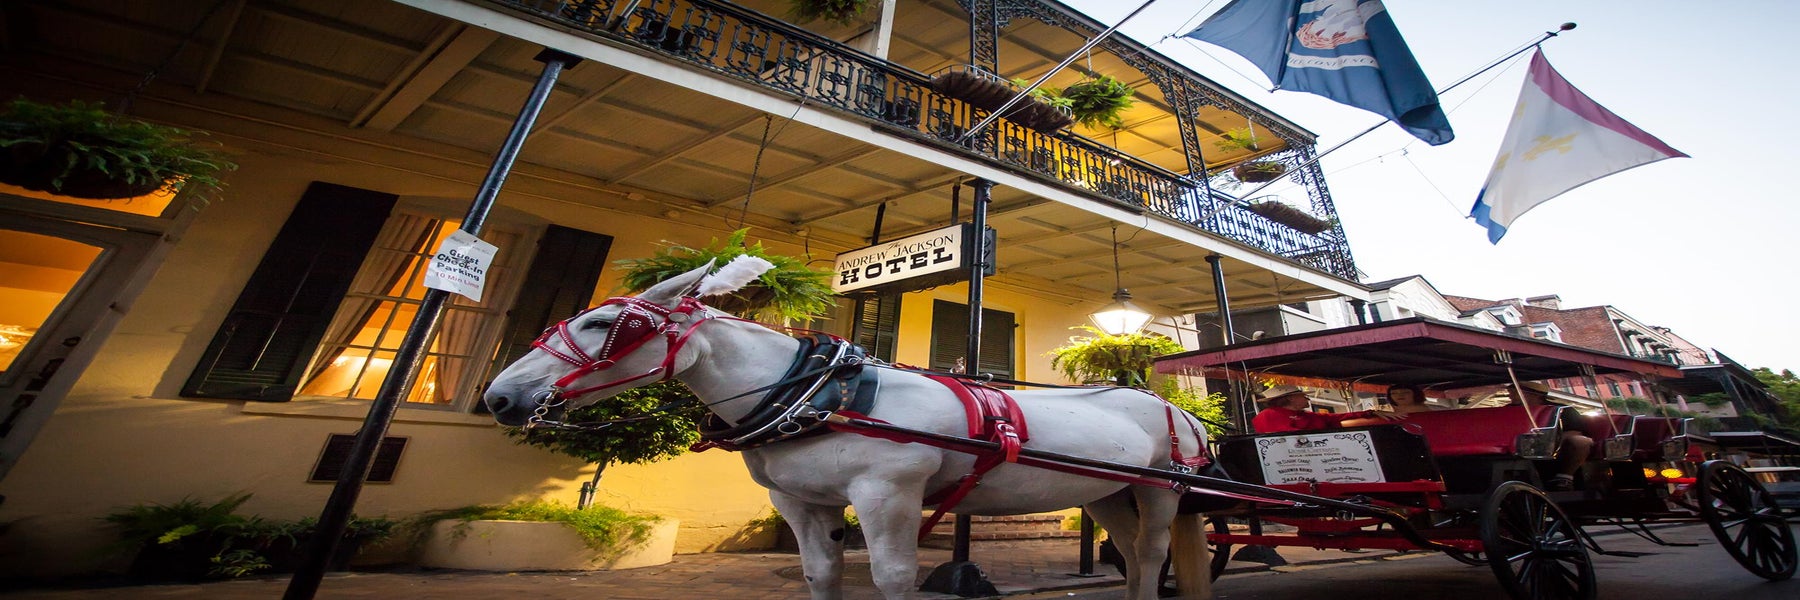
(1479, 431)
(1612, 435)
(1652, 433)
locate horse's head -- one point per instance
(624, 343)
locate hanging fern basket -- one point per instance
(41, 169)
(1259, 171)
(989, 92)
(1294, 218)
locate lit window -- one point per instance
(366, 331)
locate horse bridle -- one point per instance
(635, 325)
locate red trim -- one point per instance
(1335, 490)
(1338, 543)
(1406, 330)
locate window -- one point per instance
(360, 343)
(880, 325)
(950, 338)
(336, 290)
(1614, 387)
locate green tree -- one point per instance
(631, 442)
(1786, 388)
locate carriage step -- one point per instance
(1018, 528)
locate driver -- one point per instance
(1287, 411)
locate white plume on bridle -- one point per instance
(733, 276)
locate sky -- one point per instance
(1702, 245)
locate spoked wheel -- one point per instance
(1534, 549)
(1745, 518)
(1221, 552)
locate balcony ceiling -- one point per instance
(388, 75)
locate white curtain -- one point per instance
(468, 328)
(402, 238)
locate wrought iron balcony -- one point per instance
(752, 47)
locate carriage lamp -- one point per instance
(1121, 316)
(1649, 473)
(1672, 473)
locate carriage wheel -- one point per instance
(1745, 518)
(1534, 549)
(1221, 553)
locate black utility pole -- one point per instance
(410, 356)
(960, 576)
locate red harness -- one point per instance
(638, 323)
(995, 417)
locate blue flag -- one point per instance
(1345, 50)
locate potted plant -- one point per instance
(1244, 139)
(1102, 357)
(842, 12)
(1099, 102)
(179, 541)
(281, 543)
(542, 536)
(79, 149)
(1294, 218)
(790, 291)
(1258, 171)
(1042, 110)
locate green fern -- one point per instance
(792, 291)
(1099, 103)
(80, 136)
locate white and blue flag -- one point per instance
(1346, 50)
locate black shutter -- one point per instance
(950, 333)
(559, 283)
(880, 326)
(279, 318)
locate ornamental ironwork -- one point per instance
(748, 46)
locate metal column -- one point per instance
(960, 576)
(410, 356)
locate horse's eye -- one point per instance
(596, 324)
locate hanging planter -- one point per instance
(1259, 171)
(842, 12)
(1293, 218)
(1099, 103)
(79, 149)
(1041, 111)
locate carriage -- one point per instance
(1469, 482)
(824, 429)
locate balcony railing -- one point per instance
(749, 46)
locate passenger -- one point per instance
(1408, 399)
(1573, 449)
(1287, 411)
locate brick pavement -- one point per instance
(1013, 567)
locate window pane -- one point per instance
(36, 272)
(371, 325)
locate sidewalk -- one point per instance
(1014, 568)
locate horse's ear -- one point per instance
(670, 291)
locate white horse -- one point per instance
(812, 479)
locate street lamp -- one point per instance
(1121, 316)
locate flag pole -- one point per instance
(1546, 37)
(995, 114)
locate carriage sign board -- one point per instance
(915, 262)
(1336, 457)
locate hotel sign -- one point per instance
(914, 262)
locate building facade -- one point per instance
(190, 347)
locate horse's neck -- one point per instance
(739, 356)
